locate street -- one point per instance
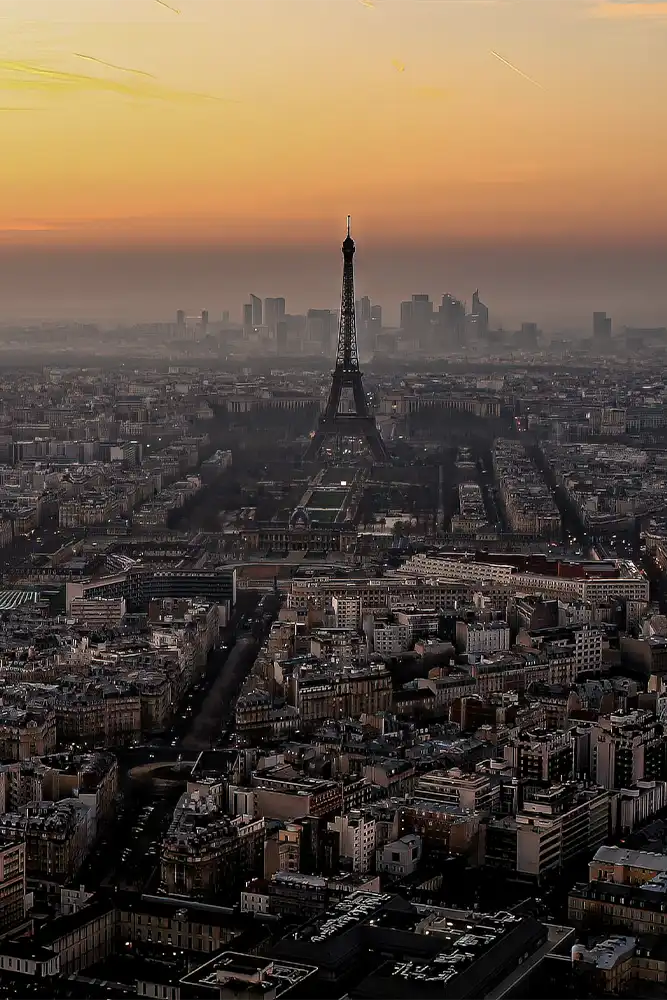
(128, 854)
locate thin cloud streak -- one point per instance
(174, 10)
(121, 69)
(516, 69)
(28, 227)
(22, 76)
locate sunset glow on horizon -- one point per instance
(260, 121)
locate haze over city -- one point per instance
(169, 154)
(333, 499)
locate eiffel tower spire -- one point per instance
(347, 375)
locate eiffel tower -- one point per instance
(358, 423)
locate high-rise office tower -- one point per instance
(417, 319)
(363, 313)
(247, 318)
(256, 304)
(528, 335)
(452, 321)
(274, 313)
(601, 327)
(321, 328)
(204, 322)
(376, 319)
(270, 315)
(363, 307)
(479, 315)
(180, 318)
(422, 319)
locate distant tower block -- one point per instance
(358, 423)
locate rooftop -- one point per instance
(357, 908)
(232, 966)
(631, 859)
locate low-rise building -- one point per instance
(623, 866)
(637, 909)
(399, 858)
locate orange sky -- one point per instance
(266, 120)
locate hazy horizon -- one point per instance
(556, 287)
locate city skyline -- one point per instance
(141, 137)
(559, 290)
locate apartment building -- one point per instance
(205, 851)
(392, 592)
(296, 895)
(326, 693)
(541, 755)
(106, 713)
(444, 829)
(344, 645)
(639, 803)
(12, 884)
(356, 833)
(447, 688)
(624, 749)
(79, 939)
(482, 637)
(289, 848)
(256, 714)
(390, 639)
(57, 836)
(420, 622)
(347, 611)
(582, 642)
(26, 733)
(444, 568)
(472, 792)
(98, 612)
(555, 825)
(281, 792)
(630, 584)
(591, 584)
(638, 909)
(508, 671)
